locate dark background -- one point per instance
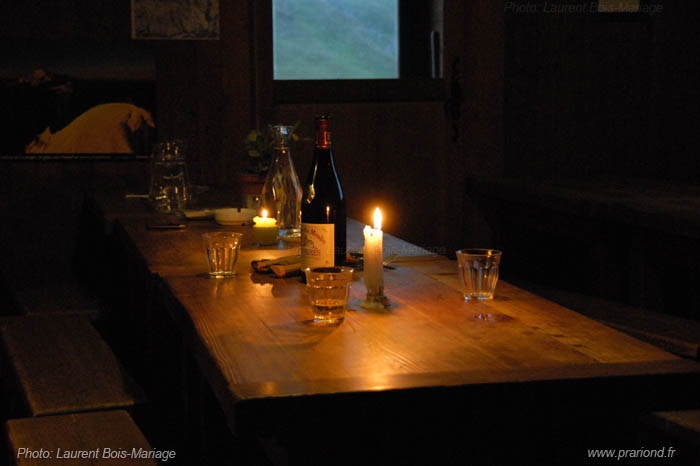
(571, 140)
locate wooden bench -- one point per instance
(683, 424)
(97, 436)
(677, 431)
(67, 296)
(60, 364)
(634, 242)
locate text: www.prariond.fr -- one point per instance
(665, 452)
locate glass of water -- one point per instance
(169, 181)
(328, 288)
(222, 252)
(479, 270)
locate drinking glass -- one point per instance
(169, 181)
(479, 270)
(222, 252)
(328, 288)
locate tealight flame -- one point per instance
(264, 213)
(377, 219)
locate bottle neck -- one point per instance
(282, 162)
(323, 135)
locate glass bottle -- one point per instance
(169, 181)
(323, 216)
(281, 194)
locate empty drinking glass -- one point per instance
(169, 181)
(222, 252)
(479, 270)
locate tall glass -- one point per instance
(281, 195)
(169, 181)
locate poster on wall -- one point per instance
(78, 99)
(175, 19)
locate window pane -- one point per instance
(335, 39)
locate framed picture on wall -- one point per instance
(72, 98)
(175, 19)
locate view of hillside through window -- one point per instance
(335, 39)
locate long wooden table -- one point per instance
(258, 348)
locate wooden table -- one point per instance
(266, 360)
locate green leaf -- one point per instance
(252, 136)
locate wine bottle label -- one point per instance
(317, 245)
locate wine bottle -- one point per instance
(323, 215)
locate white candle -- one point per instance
(373, 257)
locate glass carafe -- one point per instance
(169, 181)
(281, 195)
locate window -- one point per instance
(339, 39)
(349, 50)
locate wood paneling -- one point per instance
(392, 154)
(401, 174)
(205, 96)
(600, 94)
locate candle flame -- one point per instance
(264, 213)
(377, 219)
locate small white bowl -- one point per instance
(234, 216)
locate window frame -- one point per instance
(273, 92)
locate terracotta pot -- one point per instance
(251, 183)
(251, 188)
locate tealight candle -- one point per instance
(373, 265)
(265, 229)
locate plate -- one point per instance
(234, 216)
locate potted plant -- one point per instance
(258, 154)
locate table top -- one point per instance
(180, 252)
(256, 340)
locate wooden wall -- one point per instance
(409, 157)
(476, 139)
(205, 95)
(390, 155)
(600, 95)
(412, 158)
(66, 20)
